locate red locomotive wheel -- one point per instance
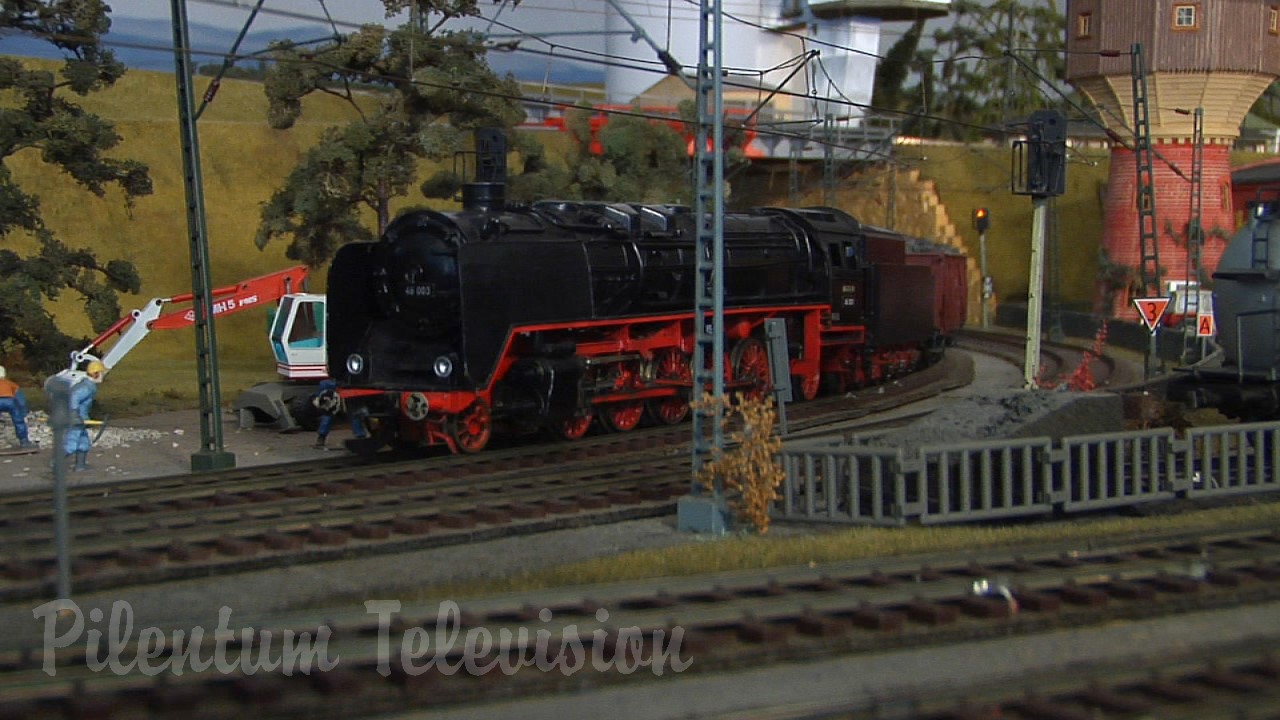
(622, 417)
(471, 428)
(573, 428)
(750, 363)
(671, 365)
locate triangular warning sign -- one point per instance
(1151, 310)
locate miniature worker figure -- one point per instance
(82, 396)
(14, 402)
(328, 404)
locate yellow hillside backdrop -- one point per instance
(932, 194)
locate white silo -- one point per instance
(675, 27)
(760, 47)
(845, 70)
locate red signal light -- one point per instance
(981, 219)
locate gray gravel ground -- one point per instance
(151, 446)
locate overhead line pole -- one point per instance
(701, 511)
(1148, 237)
(211, 455)
(1195, 242)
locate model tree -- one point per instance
(959, 83)
(629, 158)
(417, 91)
(39, 118)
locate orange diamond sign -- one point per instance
(1151, 310)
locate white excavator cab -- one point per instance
(297, 336)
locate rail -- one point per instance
(850, 480)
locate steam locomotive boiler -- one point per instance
(1246, 304)
(561, 314)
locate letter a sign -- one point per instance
(1151, 310)
(1205, 326)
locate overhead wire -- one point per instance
(735, 16)
(373, 77)
(646, 10)
(762, 129)
(637, 64)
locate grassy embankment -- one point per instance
(243, 162)
(815, 549)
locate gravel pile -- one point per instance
(1010, 414)
(40, 433)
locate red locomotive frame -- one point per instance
(646, 364)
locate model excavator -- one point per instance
(296, 335)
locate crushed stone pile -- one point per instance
(40, 433)
(1014, 414)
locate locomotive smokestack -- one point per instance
(489, 190)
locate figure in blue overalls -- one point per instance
(328, 404)
(82, 394)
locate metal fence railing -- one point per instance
(851, 480)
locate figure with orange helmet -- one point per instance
(83, 393)
(14, 402)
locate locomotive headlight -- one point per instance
(355, 364)
(443, 366)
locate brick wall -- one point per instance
(1121, 236)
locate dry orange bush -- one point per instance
(747, 468)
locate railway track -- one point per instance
(1058, 360)
(699, 628)
(1235, 680)
(169, 528)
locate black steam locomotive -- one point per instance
(561, 314)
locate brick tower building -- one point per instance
(1214, 55)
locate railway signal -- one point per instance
(1039, 170)
(981, 219)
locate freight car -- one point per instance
(558, 315)
(1246, 304)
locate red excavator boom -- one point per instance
(139, 323)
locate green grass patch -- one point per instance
(753, 552)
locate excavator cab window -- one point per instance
(297, 324)
(308, 326)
